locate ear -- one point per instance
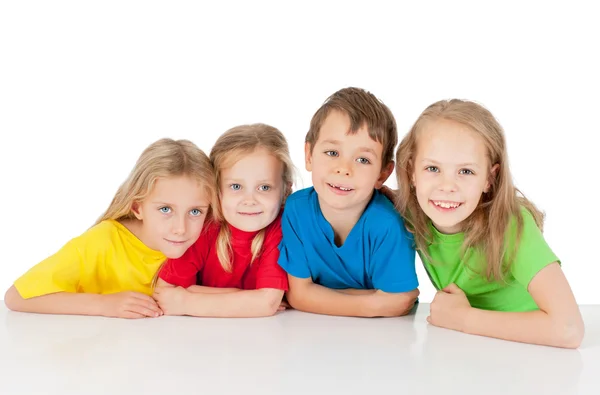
(492, 177)
(136, 208)
(386, 171)
(308, 156)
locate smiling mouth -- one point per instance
(340, 188)
(251, 214)
(175, 242)
(446, 204)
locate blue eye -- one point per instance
(331, 153)
(466, 172)
(432, 169)
(195, 212)
(264, 188)
(363, 161)
(235, 187)
(165, 210)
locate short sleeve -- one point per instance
(533, 253)
(393, 260)
(60, 272)
(182, 271)
(292, 257)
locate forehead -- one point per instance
(257, 165)
(336, 127)
(450, 142)
(180, 189)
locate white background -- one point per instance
(86, 86)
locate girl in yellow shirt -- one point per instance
(157, 213)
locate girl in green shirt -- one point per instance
(479, 238)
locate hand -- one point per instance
(130, 305)
(283, 306)
(388, 193)
(172, 300)
(449, 308)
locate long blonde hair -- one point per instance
(228, 149)
(163, 158)
(485, 229)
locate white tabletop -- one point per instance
(290, 353)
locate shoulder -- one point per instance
(300, 205)
(301, 198)
(380, 215)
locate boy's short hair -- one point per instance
(363, 108)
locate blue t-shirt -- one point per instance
(377, 253)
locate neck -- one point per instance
(341, 221)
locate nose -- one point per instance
(343, 167)
(448, 183)
(249, 198)
(178, 225)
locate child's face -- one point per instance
(172, 215)
(252, 191)
(345, 167)
(450, 172)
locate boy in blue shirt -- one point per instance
(344, 246)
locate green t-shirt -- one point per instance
(532, 255)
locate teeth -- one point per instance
(447, 205)
(341, 188)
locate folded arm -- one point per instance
(307, 296)
(557, 323)
(231, 303)
(122, 304)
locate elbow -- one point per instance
(13, 300)
(293, 299)
(270, 302)
(570, 335)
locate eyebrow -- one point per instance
(435, 162)
(174, 205)
(241, 180)
(361, 149)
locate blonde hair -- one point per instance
(485, 229)
(228, 149)
(364, 109)
(163, 158)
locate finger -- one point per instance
(281, 308)
(452, 289)
(141, 309)
(131, 315)
(429, 319)
(142, 296)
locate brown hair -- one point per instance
(485, 229)
(364, 109)
(228, 149)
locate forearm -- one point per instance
(535, 327)
(243, 303)
(56, 303)
(211, 290)
(315, 298)
(353, 291)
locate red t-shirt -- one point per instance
(200, 265)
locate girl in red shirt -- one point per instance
(232, 270)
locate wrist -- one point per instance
(370, 305)
(467, 320)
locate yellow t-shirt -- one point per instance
(105, 259)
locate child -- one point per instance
(157, 212)
(344, 247)
(234, 262)
(480, 241)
